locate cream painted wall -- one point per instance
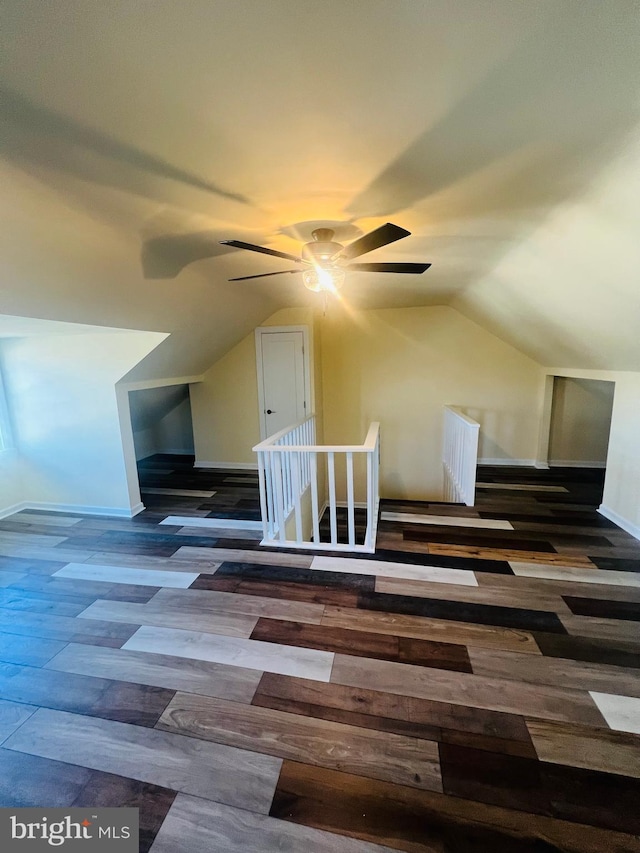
(401, 367)
(580, 421)
(62, 399)
(621, 498)
(225, 404)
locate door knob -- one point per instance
(270, 412)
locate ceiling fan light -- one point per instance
(323, 280)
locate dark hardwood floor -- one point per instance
(472, 686)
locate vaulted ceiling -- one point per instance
(503, 134)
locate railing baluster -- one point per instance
(370, 500)
(263, 496)
(314, 497)
(332, 497)
(350, 501)
(280, 511)
(270, 496)
(295, 479)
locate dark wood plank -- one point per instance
(104, 790)
(403, 715)
(81, 694)
(480, 614)
(364, 644)
(627, 610)
(589, 649)
(569, 793)
(424, 822)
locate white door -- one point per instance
(281, 379)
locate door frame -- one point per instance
(307, 359)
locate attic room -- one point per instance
(385, 662)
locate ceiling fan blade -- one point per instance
(261, 275)
(238, 244)
(403, 268)
(382, 236)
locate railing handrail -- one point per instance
(460, 414)
(269, 445)
(270, 440)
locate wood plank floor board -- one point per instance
(427, 822)
(248, 605)
(439, 630)
(81, 694)
(627, 610)
(590, 748)
(252, 654)
(28, 651)
(407, 571)
(380, 646)
(106, 790)
(309, 593)
(621, 712)
(237, 684)
(474, 595)
(120, 574)
(573, 573)
(28, 781)
(585, 796)
(51, 627)
(12, 716)
(573, 674)
(191, 553)
(212, 827)
(478, 614)
(189, 618)
(589, 649)
(436, 721)
(212, 771)
(539, 701)
(365, 752)
(288, 574)
(444, 520)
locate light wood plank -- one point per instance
(122, 574)
(558, 672)
(621, 712)
(440, 630)
(575, 573)
(7, 578)
(407, 571)
(606, 629)
(237, 684)
(213, 771)
(365, 752)
(253, 654)
(475, 595)
(448, 520)
(189, 618)
(50, 519)
(212, 523)
(211, 827)
(230, 602)
(12, 716)
(593, 749)
(239, 555)
(459, 688)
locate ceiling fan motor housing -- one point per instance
(322, 250)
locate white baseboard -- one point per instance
(517, 462)
(10, 510)
(633, 529)
(245, 466)
(80, 509)
(543, 466)
(573, 463)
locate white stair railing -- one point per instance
(301, 480)
(460, 456)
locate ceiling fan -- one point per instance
(324, 262)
